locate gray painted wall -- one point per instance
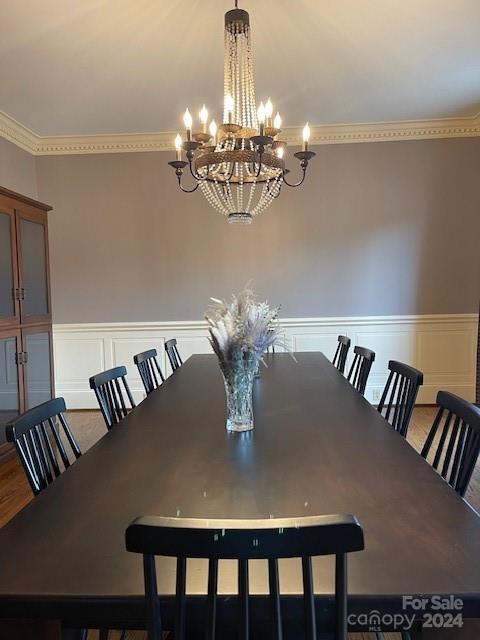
(378, 229)
(17, 169)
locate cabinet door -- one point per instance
(37, 365)
(9, 310)
(32, 247)
(11, 380)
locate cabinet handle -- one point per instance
(19, 293)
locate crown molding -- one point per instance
(17, 133)
(37, 145)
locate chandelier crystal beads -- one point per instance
(239, 166)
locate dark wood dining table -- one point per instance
(318, 447)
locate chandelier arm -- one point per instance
(260, 156)
(194, 173)
(231, 172)
(304, 165)
(179, 178)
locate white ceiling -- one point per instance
(119, 66)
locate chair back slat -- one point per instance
(399, 400)
(212, 598)
(243, 540)
(122, 409)
(399, 395)
(110, 388)
(154, 620)
(71, 440)
(443, 439)
(41, 436)
(173, 354)
(275, 607)
(58, 441)
(341, 353)
(360, 369)
(308, 599)
(26, 459)
(180, 599)
(43, 468)
(52, 460)
(341, 626)
(459, 452)
(457, 448)
(243, 604)
(467, 468)
(128, 392)
(34, 464)
(452, 441)
(149, 370)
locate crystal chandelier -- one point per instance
(239, 166)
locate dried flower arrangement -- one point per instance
(240, 332)
(243, 328)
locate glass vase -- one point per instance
(238, 378)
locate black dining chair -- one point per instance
(108, 387)
(46, 447)
(399, 395)
(173, 354)
(360, 369)
(454, 440)
(44, 443)
(149, 369)
(244, 540)
(340, 357)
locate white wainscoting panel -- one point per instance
(442, 346)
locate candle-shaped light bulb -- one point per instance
(280, 151)
(213, 131)
(306, 136)
(277, 122)
(261, 117)
(229, 106)
(178, 146)
(187, 121)
(203, 115)
(268, 113)
(261, 113)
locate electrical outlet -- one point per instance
(376, 395)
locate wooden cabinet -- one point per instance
(26, 363)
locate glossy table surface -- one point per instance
(318, 447)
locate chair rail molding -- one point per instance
(442, 346)
(22, 136)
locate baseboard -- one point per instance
(443, 346)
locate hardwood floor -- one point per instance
(88, 427)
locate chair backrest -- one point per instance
(149, 369)
(399, 395)
(44, 442)
(271, 348)
(173, 354)
(340, 357)
(242, 540)
(108, 390)
(361, 365)
(456, 444)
